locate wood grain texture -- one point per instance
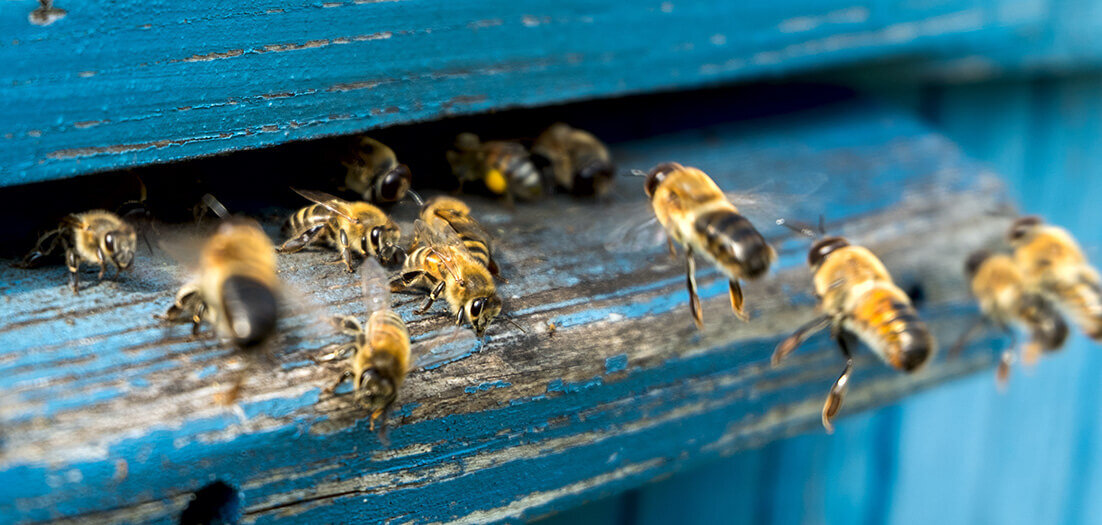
(109, 417)
(120, 84)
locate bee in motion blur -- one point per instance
(448, 212)
(441, 265)
(1052, 262)
(505, 168)
(348, 227)
(858, 297)
(94, 237)
(235, 285)
(1005, 300)
(374, 172)
(575, 160)
(697, 215)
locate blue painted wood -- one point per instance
(121, 84)
(108, 416)
(961, 453)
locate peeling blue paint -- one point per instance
(486, 387)
(616, 363)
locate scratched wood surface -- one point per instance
(107, 416)
(120, 84)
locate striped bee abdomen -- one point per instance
(1083, 300)
(892, 328)
(733, 242)
(306, 218)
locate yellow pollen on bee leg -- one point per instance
(495, 181)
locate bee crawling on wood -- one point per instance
(1005, 300)
(381, 353)
(858, 297)
(575, 159)
(451, 213)
(94, 237)
(504, 167)
(348, 227)
(374, 173)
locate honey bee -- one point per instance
(440, 264)
(1052, 262)
(697, 215)
(574, 159)
(505, 168)
(374, 172)
(95, 237)
(380, 354)
(1005, 300)
(235, 286)
(449, 212)
(349, 227)
(857, 297)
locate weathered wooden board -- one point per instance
(120, 84)
(109, 417)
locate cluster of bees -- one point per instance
(451, 256)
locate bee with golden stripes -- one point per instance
(858, 297)
(449, 212)
(1054, 264)
(440, 265)
(374, 172)
(505, 168)
(697, 215)
(348, 227)
(1005, 300)
(94, 237)
(575, 159)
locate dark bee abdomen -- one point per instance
(734, 242)
(250, 308)
(1046, 326)
(896, 329)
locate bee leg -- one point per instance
(404, 281)
(671, 247)
(45, 246)
(341, 352)
(346, 375)
(968, 334)
(798, 337)
(102, 262)
(694, 299)
(197, 318)
(347, 325)
(302, 239)
(1006, 359)
(433, 295)
(346, 256)
(736, 300)
(838, 389)
(73, 263)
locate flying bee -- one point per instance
(858, 297)
(1052, 262)
(95, 237)
(374, 172)
(449, 212)
(575, 159)
(505, 168)
(440, 265)
(235, 286)
(697, 215)
(348, 227)
(380, 354)
(1005, 300)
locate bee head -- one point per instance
(822, 248)
(374, 391)
(1022, 227)
(658, 174)
(481, 311)
(384, 241)
(120, 245)
(974, 261)
(594, 178)
(393, 185)
(251, 310)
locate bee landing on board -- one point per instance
(348, 227)
(697, 215)
(1052, 262)
(857, 297)
(449, 212)
(1005, 300)
(440, 265)
(235, 286)
(503, 167)
(95, 237)
(575, 160)
(374, 172)
(380, 354)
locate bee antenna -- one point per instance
(509, 319)
(212, 203)
(822, 225)
(638, 173)
(416, 198)
(802, 230)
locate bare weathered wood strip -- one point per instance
(108, 417)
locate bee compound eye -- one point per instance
(109, 241)
(476, 307)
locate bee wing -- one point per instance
(182, 246)
(638, 228)
(454, 342)
(776, 199)
(451, 216)
(326, 200)
(375, 286)
(426, 235)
